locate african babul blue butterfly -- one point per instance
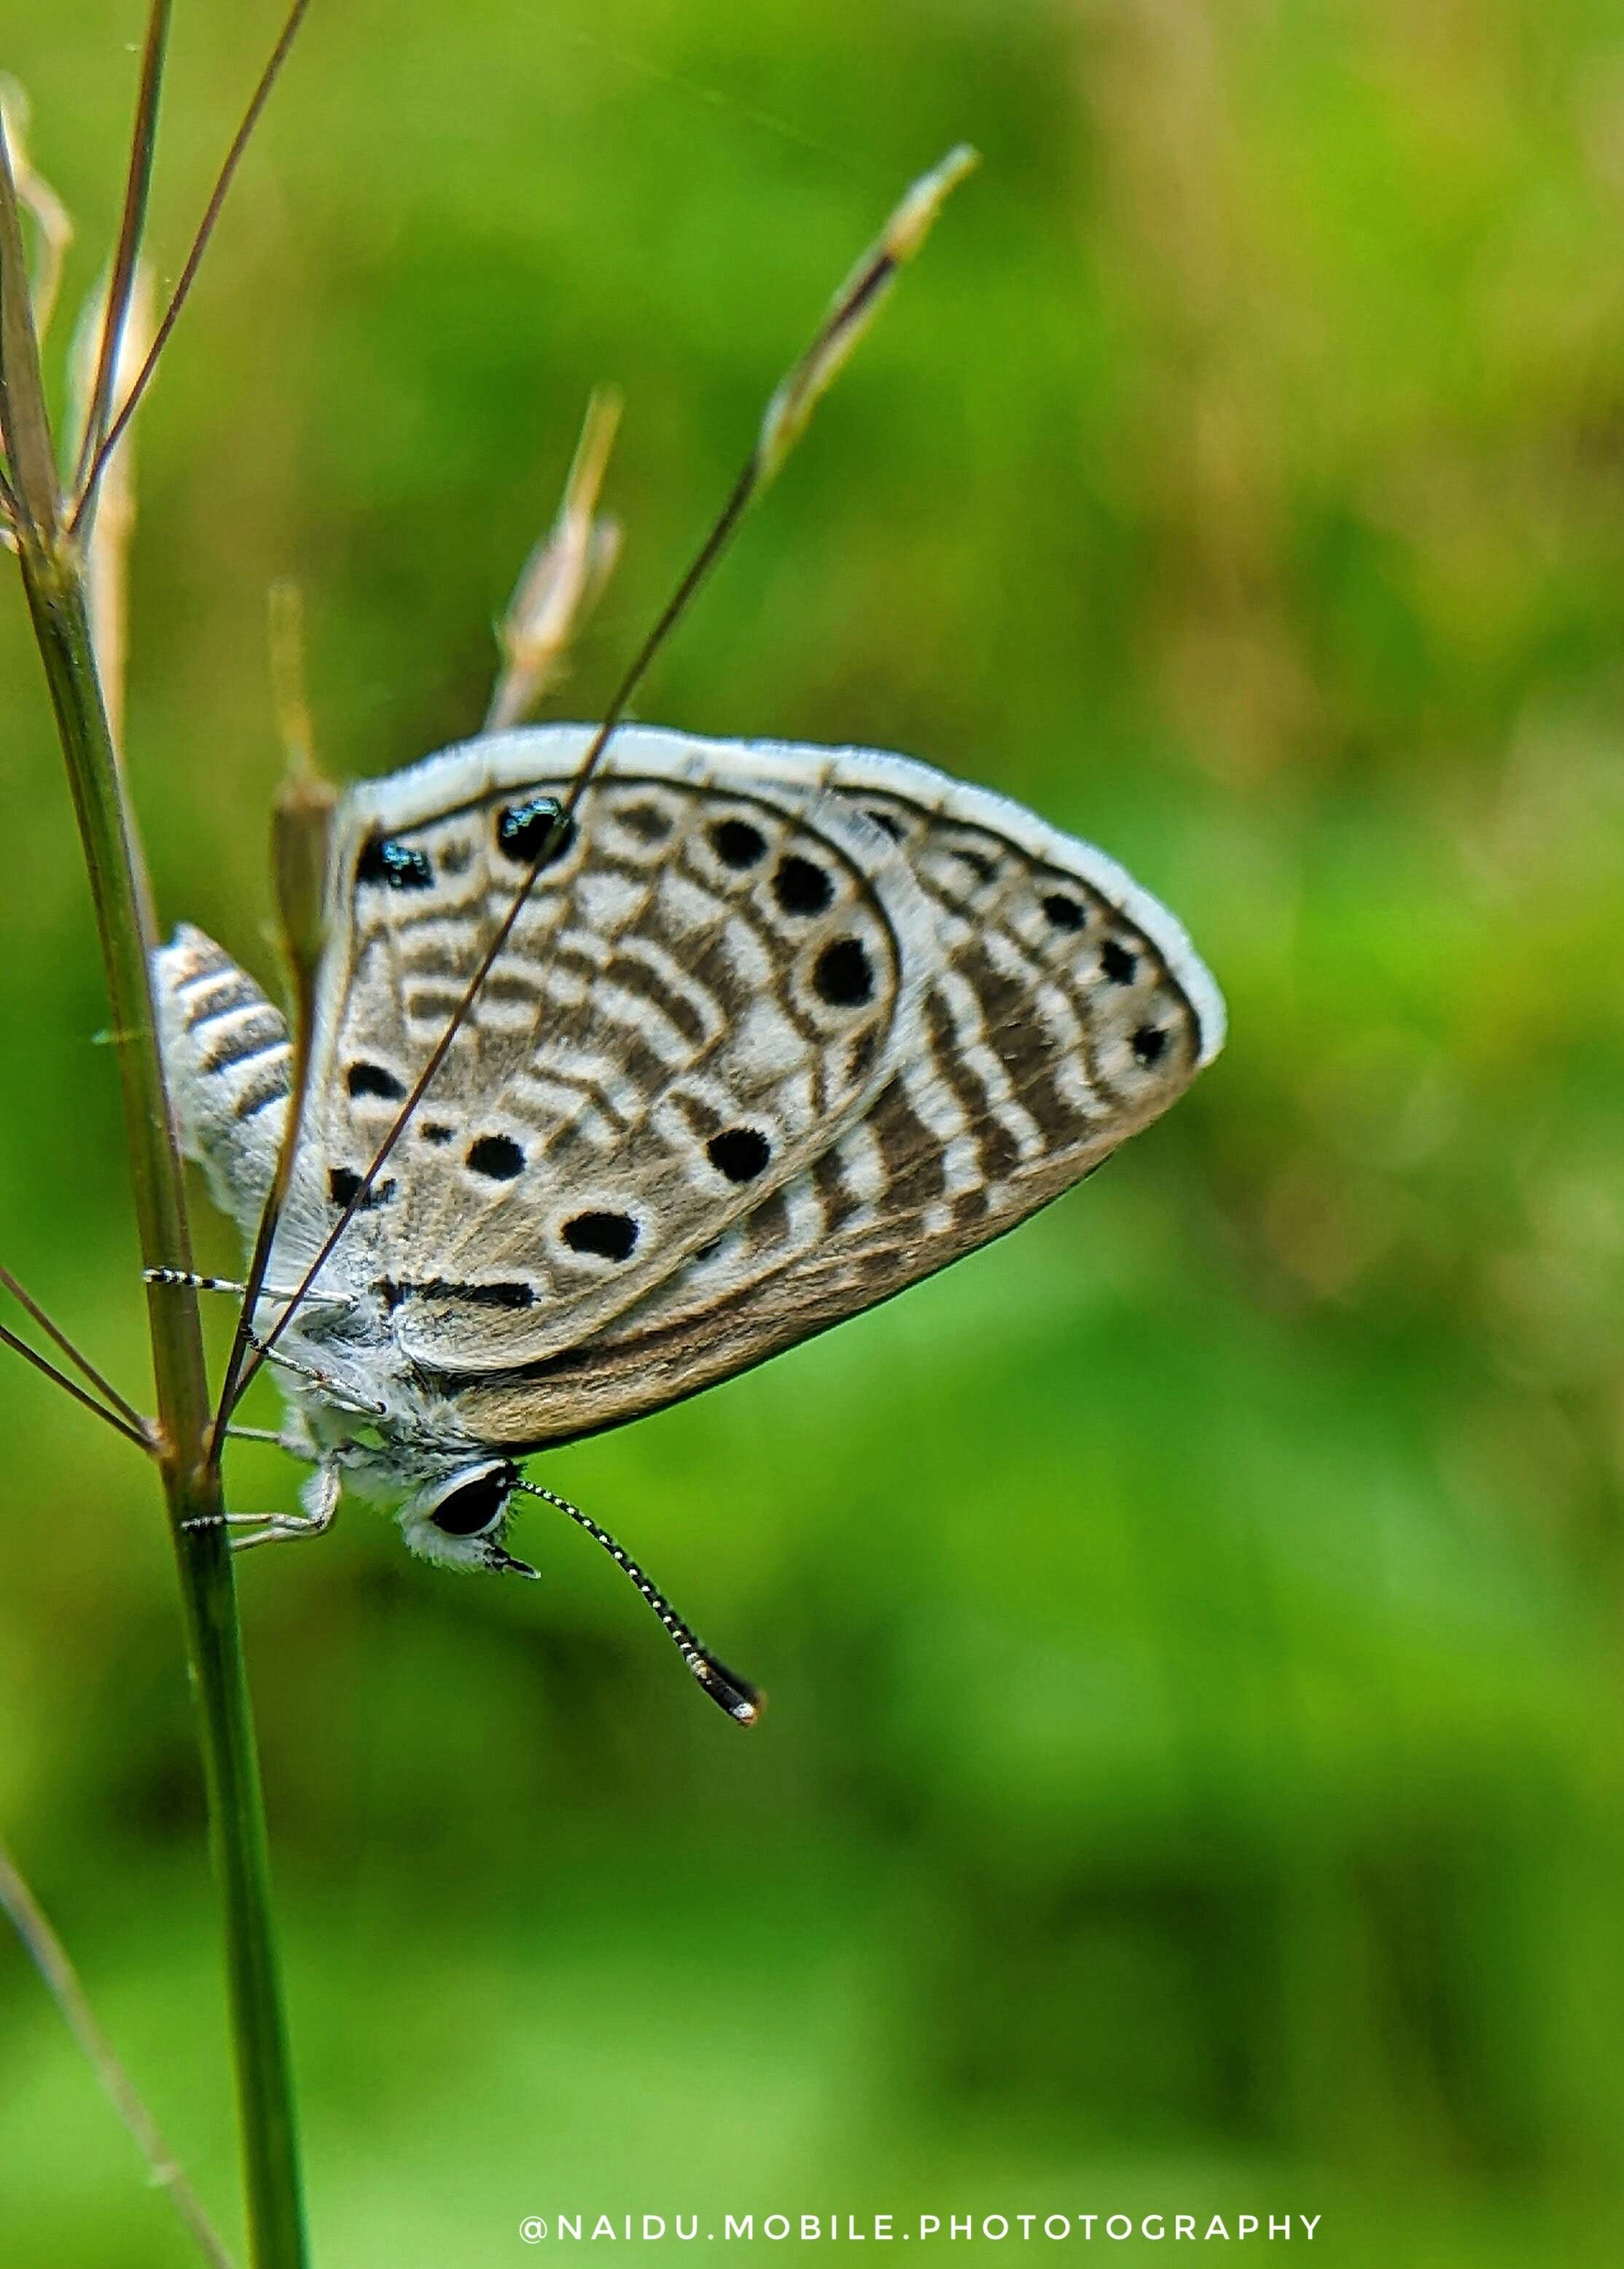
(635, 1058)
(778, 1031)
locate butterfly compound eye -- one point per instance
(475, 1505)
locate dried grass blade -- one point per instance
(24, 425)
(81, 1362)
(132, 222)
(62, 1982)
(786, 417)
(194, 258)
(48, 1370)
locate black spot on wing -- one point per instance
(497, 1157)
(502, 1294)
(372, 1079)
(607, 1235)
(401, 866)
(343, 1186)
(523, 830)
(739, 1152)
(737, 844)
(800, 887)
(843, 974)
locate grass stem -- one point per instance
(50, 1957)
(76, 1355)
(53, 580)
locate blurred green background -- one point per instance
(1192, 1777)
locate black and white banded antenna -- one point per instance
(851, 312)
(736, 1696)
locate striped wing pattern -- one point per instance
(1053, 1024)
(706, 985)
(778, 1031)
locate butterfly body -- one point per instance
(777, 1031)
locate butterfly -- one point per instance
(777, 1032)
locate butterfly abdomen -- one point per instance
(225, 1049)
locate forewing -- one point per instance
(715, 975)
(1061, 1009)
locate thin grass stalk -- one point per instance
(57, 582)
(70, 1386)
(788, 412)
(76, 1355)
(54, 579)
(50, 1958)
(108, 442)
(121, 283)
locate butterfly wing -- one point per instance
(716, 974)
(1056, 1009)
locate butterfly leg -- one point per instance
(334, 1390)
(294, 1441)
(319, 1498)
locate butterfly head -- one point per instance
(459, 1518)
